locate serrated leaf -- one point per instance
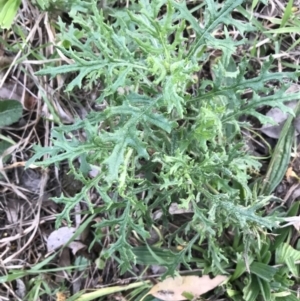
(255, 84)
(171, 97)
(141, 111)
(127, 134)
(10, 112)
(122, 138)
(214, 17)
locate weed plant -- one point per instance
(167, 135)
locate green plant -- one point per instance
(39, 284)
(8, 11)
(10, 112)
(165, 136)
(266, 280)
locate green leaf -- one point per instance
(262, 270)
(293, 268)
(222, 87)
(287, 297)
(265, 289)
(4, 145)
(8, 12)
(127, 134)
(288, 29)
(145, 256)
(252, 289)
(281, 155)
(171, 97)
(122, 138)
(109, 291)
(214, 17)
(240, 267)
(10, 112)
(287, 13)
(282, 233)
(288, 255)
